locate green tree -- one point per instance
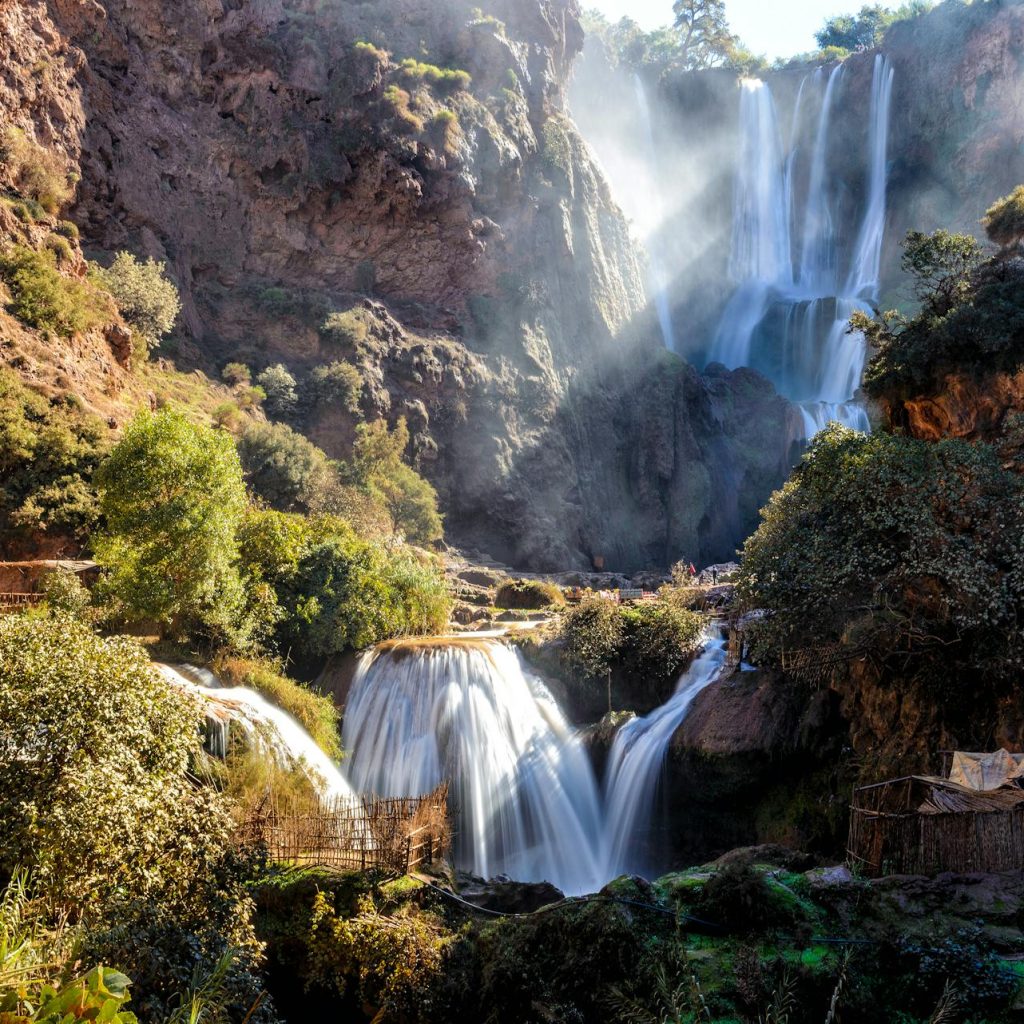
(1004, 220)
(338, 384)
(172, 495)
(377, 466)
(856, 31)
(705, 39)
(279, 386)
(147, 299)
(286, 469)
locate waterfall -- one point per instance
(658, 276)
(471, 712)
(788, 316)
(272, 730)
(635, 767)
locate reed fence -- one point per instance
(923, 826)
(352, 833)
(16, 601)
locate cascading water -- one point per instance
(269, 728)
(635, 767)
(472, 713)
(789, 314)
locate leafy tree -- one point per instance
(910, 551)
(336, 384)
(855, 31)
(172, 496)
(147, 299)
(279, 386)
(970, 320)
(705, 39)
(1004, 220)
(284, 468)
(377, 466)
(97, 799)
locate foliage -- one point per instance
(45, 299)
(61, 249)
(1004, 219)
(377, 468)
(37, 172)
(443, 79)
(227, 416)
(528, 594)
(65, 593)
(398, 102)
(48, 453)
(591, 635)
(147, 300)
(284, 468)
(346, 327)
(316, 713)
(391, 961)
(172, 496)
(657, 642)
(279, 387)
(237, 375)
(861, 31)
(971, 319)
(336, 384)
(336, 590)
(739, 899)
(908, 550)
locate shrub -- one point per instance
(1004, 219)
(657, 642)
(48, 454)
(336, 384)
(144, 295)
(316, 713)
(908, 551)
(37, 172)
(739, 898)
(443, 79)
(398, 102)
(61, 248)
(46, 300)
(347, 328)
(172, 497)
(227, 416)
(237, 375)
(284, 468)
(591, 634)
(368, 49)
(528, 594)
(67, 229)
(64, 592)
(251, 398)
(279, 386)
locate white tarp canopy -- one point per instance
(986, 771)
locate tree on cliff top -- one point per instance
(172, 495)
(705, 39)
(1004, 220)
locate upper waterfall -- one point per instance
(797, 279)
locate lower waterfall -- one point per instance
(635, 768)
(524, 793)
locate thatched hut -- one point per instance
(924, 825)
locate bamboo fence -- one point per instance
(352, 833)
(924, 826)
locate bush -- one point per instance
(377, 468)
(591, 635)
(443, 79)
(61, 249)
(285, 469)
(37, 172)
(237, 375)
(279, 386)
(336, 384)
(909, 552)
(347, 328)
(398, 103)
(658, 641)
(65, 593)
(528, 594)
(67, 229)
(740, 899)
(227, 416)
(48, 454)
(172, 497)
(46, 300)
(316, 713)
(147, 300)
(1004, 219)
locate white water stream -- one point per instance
(798, 280)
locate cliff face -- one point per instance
(287, 164)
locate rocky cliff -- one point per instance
(408, 164)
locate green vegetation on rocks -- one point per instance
(146, 298)
(528, 594)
